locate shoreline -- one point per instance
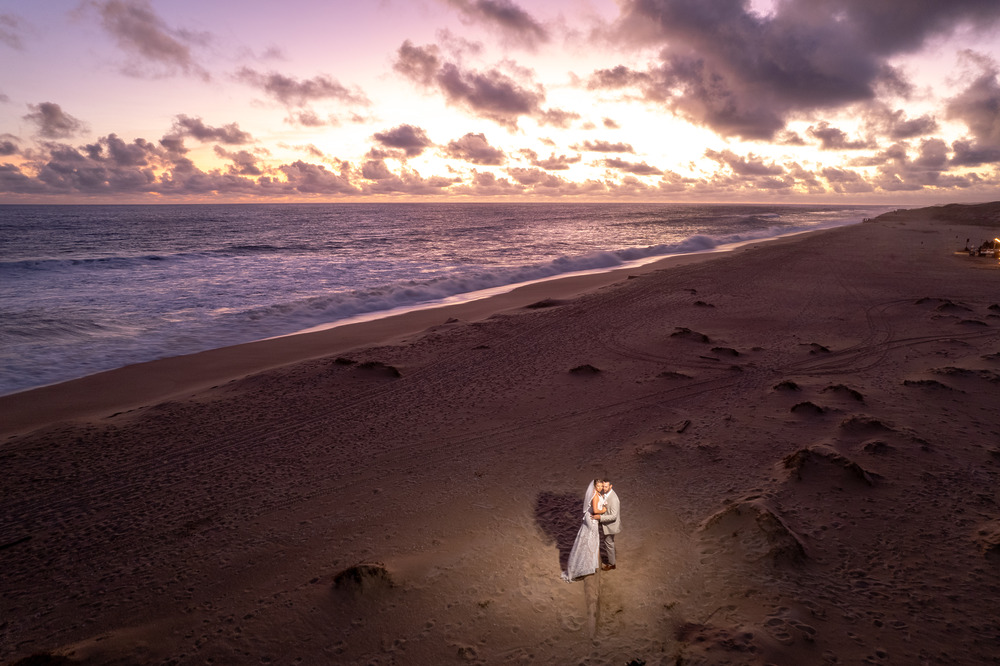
(109, 392)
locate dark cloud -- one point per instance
(897, 171)
(533, 177)
(744, 166)
(376, 170)
(896, 126)
(10, 31)
(407, 181)
(978, 106)
(832, 138)
(53, 122)
(604, 147)
(139, 31)
(742, 73)
(296, 93)
(557, 118)
(789, 138)
(611, 124)
(491, 94)
(552, 162)
(622, 77)
(8, 145)
(518, 26)
(969, 154)
(306, 178)
(230, 134)
(244, 162)
(639, 169)
(407, 138)
(476, 149)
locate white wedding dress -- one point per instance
(585, 556)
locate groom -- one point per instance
(611, 524)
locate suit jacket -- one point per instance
(611, 520)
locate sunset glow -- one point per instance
(148, 101)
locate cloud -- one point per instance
(604, 147)
(244, 163)
(476, 149)
(408, 182)
(743, 73)
(8, 145)
(611, 124)
(551, 163)
(744, 166)
(535, 177)
(407, 138)
(140, 32)
(296, 93)
(967, 153)
(10, 31)
(832, 138)
(639, 169)
(518, 26)
(307, 178)
(491, 94)
(896, 126)
(557, 118)
(978, 106)
(53, 122)
(230, 134)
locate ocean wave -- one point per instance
(317, 310)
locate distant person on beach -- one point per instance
(610, 523)
(585, 556)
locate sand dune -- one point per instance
(804, 435)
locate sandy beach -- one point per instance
(804, 434)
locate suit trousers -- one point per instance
(608, 546)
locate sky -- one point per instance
(797, 101)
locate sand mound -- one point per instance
(807, 409)
(687, 334)
(380, 369)
(363, 579)
(546, 303)
(725, 351)
(585, 369)
(823, 462)
(951, 371)
(787, 385)
(988, 538)
(841, 389)
(927, 383)
(670, 374)
(877, 447)
(861, 423)
(755, 532)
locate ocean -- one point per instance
(91, 288)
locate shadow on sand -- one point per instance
(558, 516)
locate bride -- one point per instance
(585, 556)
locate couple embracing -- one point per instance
(601, 522)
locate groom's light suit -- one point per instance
(611, 524)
